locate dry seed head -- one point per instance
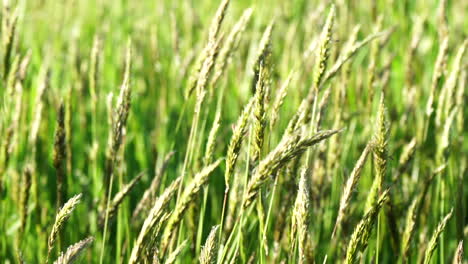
(435, 236)
(291, 146)
(236, 142)
(350, 186)
(361, 234)
(155, 214)
(187, 197)
(62, 216)
(74, 251)
(208, 252)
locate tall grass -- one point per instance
(233, 132)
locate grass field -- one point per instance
(260, 131)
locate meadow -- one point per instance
(233, 131)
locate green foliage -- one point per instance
(233, 132)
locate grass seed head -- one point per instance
(60, 219)
(433, 243)
(208, 252)
(74, 251)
